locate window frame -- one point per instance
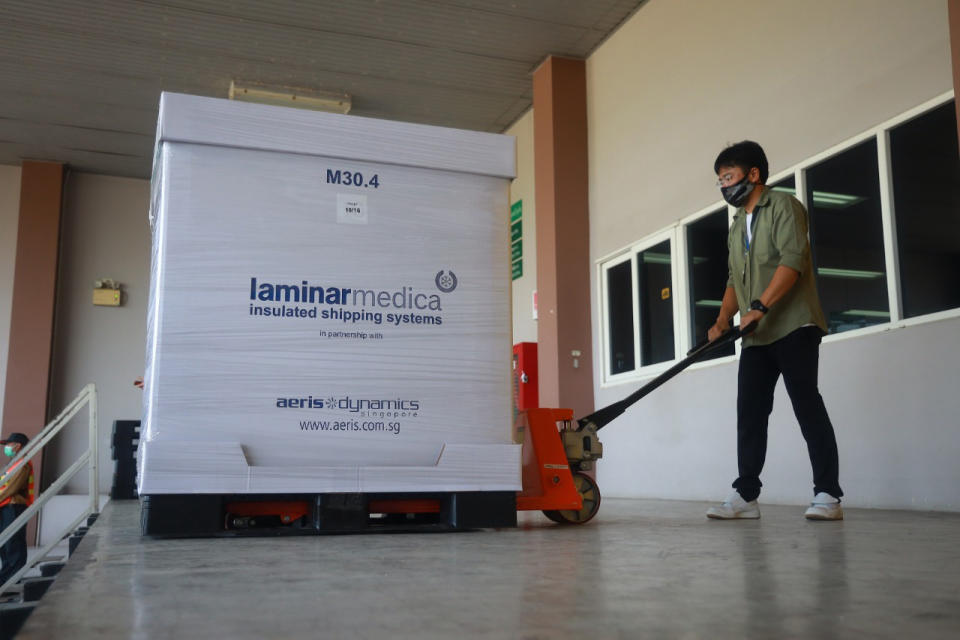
(687, 320)
(602, 272)
(670, 235)
(677, 234)
(630, 254)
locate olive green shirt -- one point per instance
(779, 238)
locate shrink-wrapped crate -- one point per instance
(329, 305)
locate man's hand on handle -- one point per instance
(728, 307)
(718, 329)
(722, 325)
(750, 316)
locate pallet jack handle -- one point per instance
(602, 417)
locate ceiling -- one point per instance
(82, 80)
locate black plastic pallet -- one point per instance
(206, 515)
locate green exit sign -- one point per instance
(516, 269)
(516, 210)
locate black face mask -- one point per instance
(736, 194)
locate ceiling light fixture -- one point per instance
(656, 258)
(866, 313)
(826, 199)
(835, 200)
(298, 97)
(858, 274)
(789, 190)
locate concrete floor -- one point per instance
(642, 569)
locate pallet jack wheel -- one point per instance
(555, 516)
(589, 493)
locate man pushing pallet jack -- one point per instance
(771, 283)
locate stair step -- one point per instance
(48, 569)
(74, 541)
(34, 588)
(12, 617)
(55, 558)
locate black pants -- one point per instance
(13, 554)
(796, 357)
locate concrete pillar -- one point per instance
(563, 235)
(32, 309)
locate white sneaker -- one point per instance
(734, 507)
(824, 507)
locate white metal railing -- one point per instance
(87, 397)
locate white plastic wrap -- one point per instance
(329, 305)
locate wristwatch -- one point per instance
(756, 305)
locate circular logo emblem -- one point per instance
(446, 281)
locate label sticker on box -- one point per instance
(351, 209)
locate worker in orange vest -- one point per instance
(16, 494)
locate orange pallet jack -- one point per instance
(558, 453)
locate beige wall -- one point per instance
(675, 84)
(105, 234)
(522, 188)
(682, 78)
(9, 214)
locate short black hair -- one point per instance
(745, 155)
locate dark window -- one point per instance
(708, 270)
(656, 303)
(926, 189)
(620, 315)
(843, 197)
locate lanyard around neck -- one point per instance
(753, 228)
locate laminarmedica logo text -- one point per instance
(346, 304)
(364, 407)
